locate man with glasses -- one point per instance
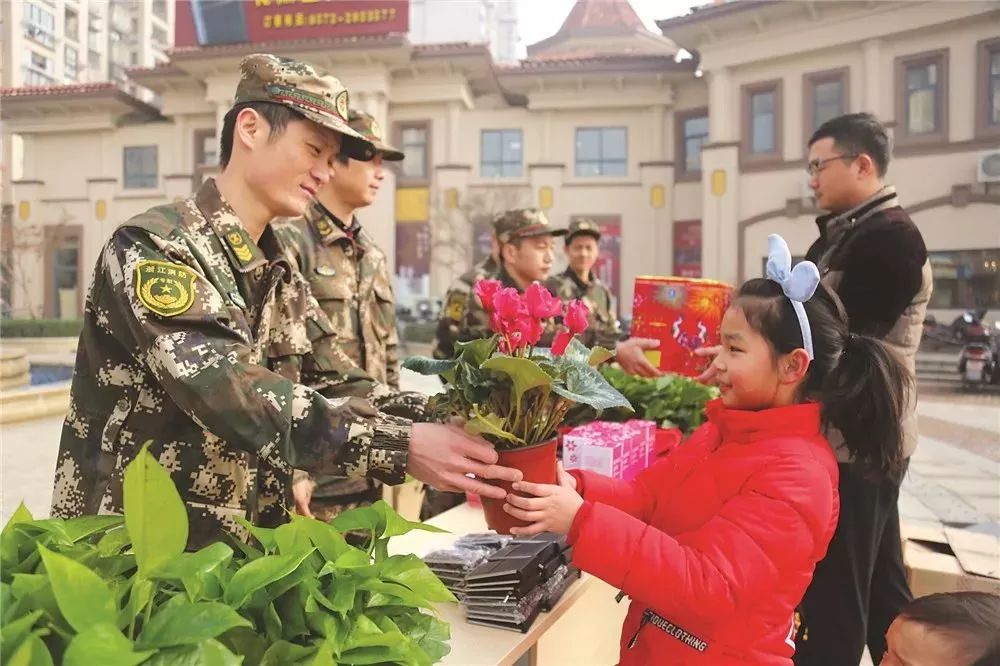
(873, 256)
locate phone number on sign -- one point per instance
(301, 20)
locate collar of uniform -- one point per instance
(578, 282)
(833, 224)
(243, 252)
(506, 280)
(331, 228)
(489, 265)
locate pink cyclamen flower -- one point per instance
(540, 302)
(485, 291)
(508, 304)
(576, 317)
(531, 329)
(560, 342)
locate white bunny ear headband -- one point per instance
(799, 283)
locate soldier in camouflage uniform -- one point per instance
(190, 307)
(349, 275)
(526, 254)
(456, 300)
(579, 282)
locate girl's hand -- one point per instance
(552, 509)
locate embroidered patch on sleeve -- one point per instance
(456, 305)
(165, 288)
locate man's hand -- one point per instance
(302, 491)
(551, 510)
(629, 354)
(710, 374)
(442, 455)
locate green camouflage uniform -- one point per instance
(195, 338)
(349, 276)
(604, 328)
(510, 226)
(455, 303)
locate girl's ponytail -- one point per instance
(864, 396)
(861, 384)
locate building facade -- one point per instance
(687, 163)
(52, 43)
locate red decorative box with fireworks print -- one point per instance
(683, 314)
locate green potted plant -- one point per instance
(120, 590)
(516, 394)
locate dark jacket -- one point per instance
(875, 259)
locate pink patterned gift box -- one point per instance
(618, 450)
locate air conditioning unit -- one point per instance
(988, 167)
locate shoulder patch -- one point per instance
(165, 288)
(455, 307)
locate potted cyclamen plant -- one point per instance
(515, 393)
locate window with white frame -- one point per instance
(501, 153)
(602, 151)
(140, 167)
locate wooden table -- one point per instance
(472, 644)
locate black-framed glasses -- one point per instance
(815, 166)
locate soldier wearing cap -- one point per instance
(349, 275)
(457, 297)
(196, 328)
(526, 254)
(578, 281)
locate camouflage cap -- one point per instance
(583, 226)
(366, 125)
(322, 99)
(523, 223)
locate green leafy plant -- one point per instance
(507, 389)
(673, 401)
(121, 590)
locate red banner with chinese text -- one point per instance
(211, 22)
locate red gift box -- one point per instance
(683, 314)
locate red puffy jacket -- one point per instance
(716, 543)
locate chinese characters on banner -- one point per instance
(211, 22)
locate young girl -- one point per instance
(716, 543)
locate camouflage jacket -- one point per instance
(475, 323)
(455, 303)
(349, 276)
(185, 317)
(350, 279)
(604, 329)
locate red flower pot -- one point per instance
(537, 463)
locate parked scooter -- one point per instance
(979, 361)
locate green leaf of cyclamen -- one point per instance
(429, 366)
(189, 624)
(587, 386)
(475, 352)
(523, 373)
(489, 424)
(154, 513)
(83, 598)
(102, 644)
